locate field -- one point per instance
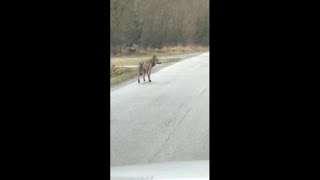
(119, 74)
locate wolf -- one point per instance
(146, 66)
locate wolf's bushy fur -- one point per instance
(146, 66)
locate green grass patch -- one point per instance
(120, 74)
(169, 60)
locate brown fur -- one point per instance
(146, 66)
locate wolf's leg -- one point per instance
(140, 71)
(144, 73)
(149, 74)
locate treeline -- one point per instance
(158, 23)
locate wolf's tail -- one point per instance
(140, 68)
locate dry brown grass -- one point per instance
(145, 54)
(185, 49)
(165, 50)
(127, 60)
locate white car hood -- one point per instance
(168, 170)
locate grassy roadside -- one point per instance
(145, 54)
(165, 51)
(120, 74)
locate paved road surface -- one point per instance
(165, 120)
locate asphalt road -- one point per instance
(163, 120)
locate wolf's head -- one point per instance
(155, 60)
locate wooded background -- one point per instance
(158, 23)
